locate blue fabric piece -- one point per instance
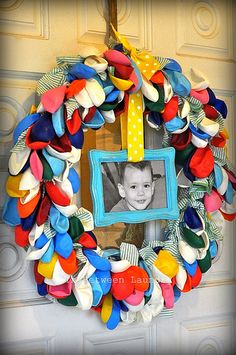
(74, 179)
(197, 132)
(221, 107)
(180, 84)
(191, 218)
(96, 122)
(28, 222)
(42, 289)
(175, 123)
(47, 256)
(218, 176)
(213, 249)
(42, 130)
(138, 74)
(80, 71)
(123, 307)
(57, 165)
(111, 252)
(112, 96)
(41, 241)
(24, 124)
(77, 139)
(177, 293)
(58, 121)
(114, 319)
(58, 221)
(63, 244)
(96, 289)
(155, 118)
(190, 268)
(10, 214)
(104, 279)
(212, 97)
(186, 169)
(229, 195)
(97, 261)
(173, 65)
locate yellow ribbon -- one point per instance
(132, 134)
(132, 137)
(146, 63)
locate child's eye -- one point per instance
(146, 186)
(133, 187)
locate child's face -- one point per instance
(137, 187)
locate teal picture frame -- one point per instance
(104, 218)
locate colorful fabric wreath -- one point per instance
(123, 284)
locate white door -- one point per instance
(197, 34)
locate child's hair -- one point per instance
(139, 165)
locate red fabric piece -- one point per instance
(43, 211)
(75, 87)
(56, 195)
(74, 123)
(21, 236)
(171, 109)
(202, 162)
(182, 140)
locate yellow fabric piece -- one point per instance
(135, 140)
(166, 263)
(106, 308)
(46, 269)
(225, 133)
(33, 109)
(132, 128)
(147, 64)
(121, 84)
(12, 186)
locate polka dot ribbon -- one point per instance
(146, 63)
(132, 134)
(132, 137)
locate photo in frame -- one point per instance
(129, 192)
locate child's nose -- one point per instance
(141, 191)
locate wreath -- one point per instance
(124, 284)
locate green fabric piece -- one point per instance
(76, 228)
(194, 240)
(70, 300)
(205, 263)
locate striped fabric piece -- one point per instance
(86, 218)
(229, 166)
(163, 61)
(195, 104)
(166, 313)
(220, 120)
(56, 77)
(71, 106)
(48, 230)
(69, 60)
(102, 75)
(20, 144)
(129, 252)
(182, 203)
(152, 243)
(148, 255)
(173, 249)
(196, 117)
(80, 255)
(166, 138)
(213, 231)
(219, 155)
